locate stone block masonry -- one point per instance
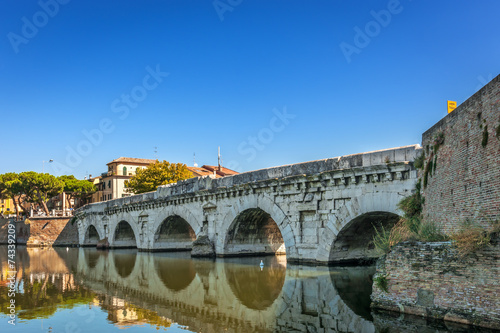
(431, 280)
(464, 180)
(46, 231)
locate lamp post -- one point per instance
(43, 164)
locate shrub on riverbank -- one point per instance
(469, 238)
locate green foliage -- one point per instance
(381, 282)
(382, 240)
(419, 161)
(430, 231)
(498, 132)
(494, 226)
(438, 141)
(156, 174)
(76, 188)
(428, 170)
(412, 205)
(484, 141)
(37, 188)
(40, 187)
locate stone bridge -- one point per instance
(321, 211)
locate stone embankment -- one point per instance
(45, 231)
(432, 280)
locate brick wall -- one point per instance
(431, 280)
(466, 180)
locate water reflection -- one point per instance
(124, 261)
(163, 290)
(175, 273)
(257, 288)
(354, 285)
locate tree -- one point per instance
(75, 188)
(11, 187)
(40, 187)
(156, 174)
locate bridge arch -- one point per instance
(174, 233)
(256, 225)
(124, 235)
(349, 232)
(182, 212)
(91, 236)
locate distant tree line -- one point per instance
(33, 189)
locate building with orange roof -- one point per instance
(111, 185)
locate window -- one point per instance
(109, 183)
(124, 170)
(104, 185)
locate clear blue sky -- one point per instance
(270, 82)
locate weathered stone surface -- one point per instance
(464, 181)
(432, 280)
(44, 231)
(203, 247)
(302, 210)
(103, 243)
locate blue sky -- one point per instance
(270, 82)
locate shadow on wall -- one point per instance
(354, 243)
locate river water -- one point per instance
(85, 290)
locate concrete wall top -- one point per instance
(373, 158)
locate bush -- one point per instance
(412, 205)
(384, 239)
(431, 232)
(419, 161)
(495, 225)
(470, 237)
(381, 282)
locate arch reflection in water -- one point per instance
(125, 261)
(257, 288)
(176, 273)
(92, 257)
(354, 285)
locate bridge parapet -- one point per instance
(373, 166)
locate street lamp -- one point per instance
(43, 164)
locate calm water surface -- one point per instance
(85, 290)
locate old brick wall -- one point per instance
(464, 182)
(430, 279)
(56, 231)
